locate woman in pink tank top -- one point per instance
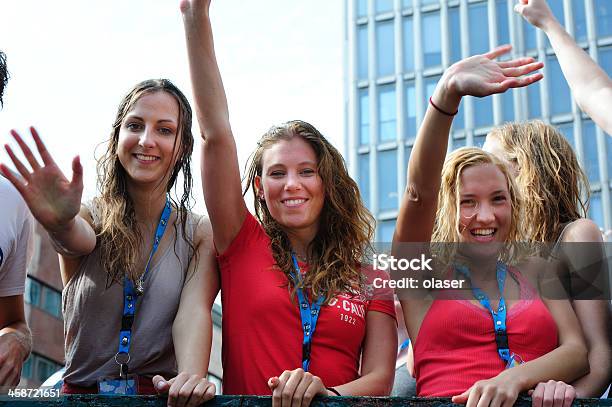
(498, 338)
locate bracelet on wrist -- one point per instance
(442, 111)
(336, 392)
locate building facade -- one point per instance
(397, 50)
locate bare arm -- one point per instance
(220, 171)
(590, 85)
(15, 339)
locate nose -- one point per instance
(485, 213)
(146, 138)
(293, 181)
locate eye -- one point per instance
(500, 198)
(468, 203)
(133, 126)
(308, 172)
(277, 174)
(166, 131)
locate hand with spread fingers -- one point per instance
(553, 394)
(295, 388)
(185, 390)
(52, 198)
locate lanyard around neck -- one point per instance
(499, 316)
(131, 293)
(309, 314)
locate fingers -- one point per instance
(316, 387)
(203, 391)
(516, 62)
(176, 395)
(26, 151)
(519, 82)
(77, 173)
(549, 393)
(14, 179)
(160, 384)
(520, 8)
(559, 394)
(302, 387)
(537, 395)
(273, 383)
(277, 394)
(461, 398)
(499, 51)
(522, 70)
(570, 395)
(25, 173)
(42, 150)
(290, 386)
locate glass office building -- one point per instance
(396, 50)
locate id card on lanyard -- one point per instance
(126, 383)
(499, 316)
(309, 313)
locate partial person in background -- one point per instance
(555, 194)
(591, 86)
(404, 384)
(298, 318)
(137, 265)
(16, 232)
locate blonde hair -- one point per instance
(346, 227)
(550, 179)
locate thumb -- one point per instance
(77, 173)
(273, 383)
(461, 398)
(161, 385)
(519, 8)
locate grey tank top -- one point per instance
(92, 316)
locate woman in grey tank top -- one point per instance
(117, 255)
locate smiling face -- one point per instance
(147, 144)
(291, 186)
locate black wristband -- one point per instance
(440, 110)
(334, 391)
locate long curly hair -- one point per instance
(4, 75)
(346, 227)
(554, 187)
(448, 218)
(119, 238)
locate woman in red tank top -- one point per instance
(500, 338)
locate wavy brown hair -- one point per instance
(119, 238)
(346, 227)
(554, 187)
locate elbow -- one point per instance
(581, 355)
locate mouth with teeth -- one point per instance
(483, 234)
(146, 158)
(293, 202)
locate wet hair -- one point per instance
(346, 227)
(4, 76)
(119, 237)
(448, 219)
(554, 187)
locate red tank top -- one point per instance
(455, 346)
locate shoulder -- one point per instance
(582, 230)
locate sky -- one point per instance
(71, 62)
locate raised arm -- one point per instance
(220, 171)
(53, 200)
(590, 85)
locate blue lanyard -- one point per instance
(131, 294)
(499, 317)
(309, 314)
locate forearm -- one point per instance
(594, 384)
(192, 338)
(372, 384)
(210, 100)
(75, 239)
(19, 336)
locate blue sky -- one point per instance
(71, 61)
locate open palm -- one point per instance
(52, 198)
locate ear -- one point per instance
(259, 188)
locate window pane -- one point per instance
(385, 230)
(503, 31)
(411, 101)
(364, 117)
(455, 34)
(596, 209)
(423, 2)
(408, 44)
(26, 370)
(560, 96)
(364, 178)
(383, 5)
(529, 34)
(385, 49)
(507, 106)
(432, 45)
(53, 301)
(362, 52)
(603, 16)
(458, 143)
(578, 11)
(534, 108)
(483, 111)
(589, 142)
(430, 86)
(387, 120)
(605, 59)
(407, 3)
(568, 132)
(32, 292)
(459, 122)
(479, 28)
(479, 140)
(362, 8)
(387, 180)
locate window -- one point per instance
(383, 6)
(406, 3)
(557, 8)
(362, 52)
(458, 143)
(424, 2)
(568, 132)
(503, 30)
(387, 180)
(596, 209)
(603, 16)
(33, 292)
(459, 121)
(411, 101)
(387, 120)
(385, 49)
(578, 12)
(26, 370)
(430, 86)
(385, 230)
(478, 28)
(362, 8)
(44, 368)
(534, 108)
(454, 32)
(408, 44)
(605, 59)
(432, 42)
(529, 35)
(560, 96)
(507, 106)
(53, 302)
(364, 117)
(364, 178)
(483, 111)
(479, 140)
(589, 143)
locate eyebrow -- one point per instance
(499, 191)
(132, 116)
